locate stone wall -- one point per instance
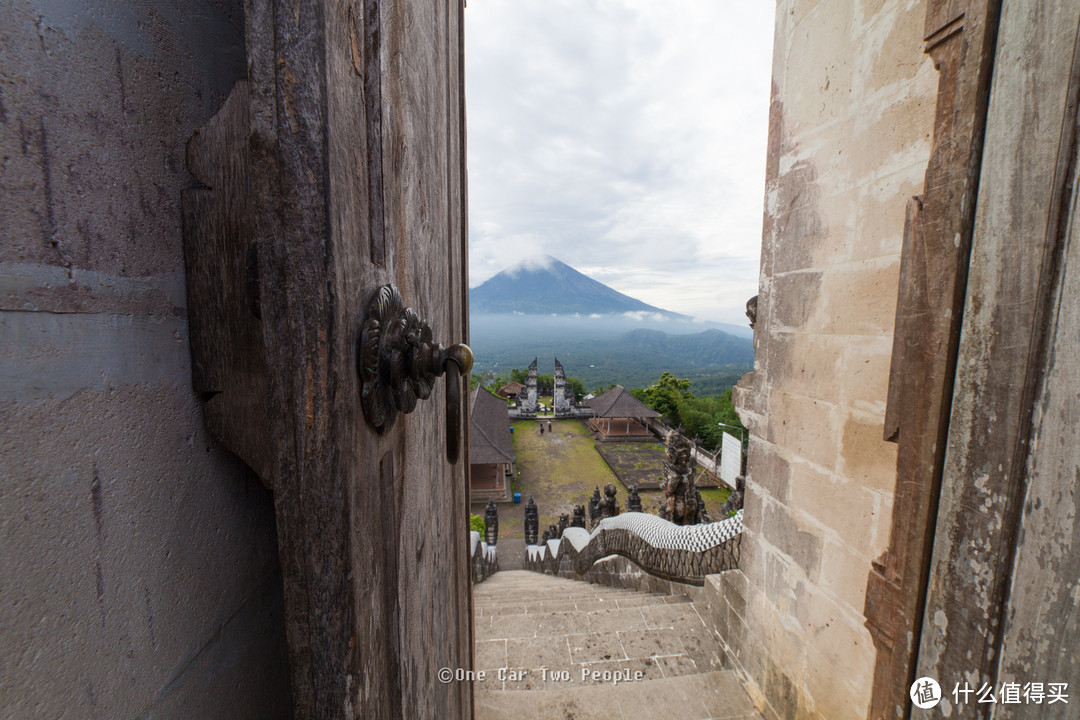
(619, 572)
(850, 130)
(140, 570)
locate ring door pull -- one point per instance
(398, 363)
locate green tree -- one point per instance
(577, 387)
(700, 417)
(545, 384)
(665, 395)
(484, 379)
(476, 523)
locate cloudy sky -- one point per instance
(624, 137)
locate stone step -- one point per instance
(584, 589)
(517, 585)
(574, 587)
(584, 604)
(549, 647)
(688, 697)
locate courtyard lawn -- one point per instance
(559, 470)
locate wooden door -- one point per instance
(338, 167)
(1005, 573)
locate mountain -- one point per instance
(553, 287)
(549, 309)
(712, 360)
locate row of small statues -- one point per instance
(599, 508)
(681, 504)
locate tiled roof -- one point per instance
(489, 436)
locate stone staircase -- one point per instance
(551, 648)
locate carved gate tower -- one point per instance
(528, 405)
(563, 395)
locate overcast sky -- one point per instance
(624, 137)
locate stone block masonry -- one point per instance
(140, 566)
(851, 124)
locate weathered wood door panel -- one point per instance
(1042, 620)
(1001, 599)
(351, 177)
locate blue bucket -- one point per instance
(517, 498)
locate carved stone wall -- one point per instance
(851, 124)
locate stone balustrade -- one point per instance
(484, 560)
(678, 553)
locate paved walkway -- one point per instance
(552, 648)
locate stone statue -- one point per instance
(532, 522)
(751, 311)
(578, 519)
(564, 522)
(680, 503)
(491, 519)
(633, 500)
(608, 506)
(553, 532)
(544, 539)
(594, 507)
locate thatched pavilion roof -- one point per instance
(619, 403)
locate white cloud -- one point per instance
(626, 139)
(642, 315)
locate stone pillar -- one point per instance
(532, 522)
(491, 520)
(594, 507)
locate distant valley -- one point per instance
(600, 335)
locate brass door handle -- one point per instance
(398, 363)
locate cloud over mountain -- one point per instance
(545, 285)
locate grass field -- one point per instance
(559, 470)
